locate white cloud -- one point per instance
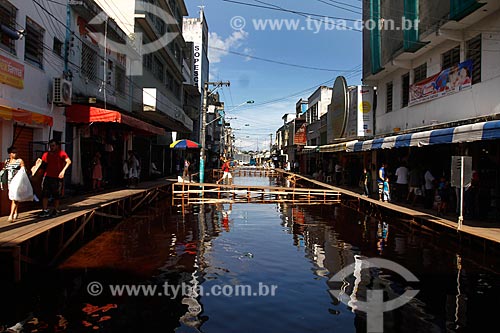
(219, 45)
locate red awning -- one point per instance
(90, 114)
(27, 117)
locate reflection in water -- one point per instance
(297, 248)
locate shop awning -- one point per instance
(488, 130)
(90, 114)
(24, 116)
(335, 147)
(309, 150)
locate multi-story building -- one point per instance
(31, 56)
(437, 86)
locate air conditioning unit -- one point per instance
(61, 92)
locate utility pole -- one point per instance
(204, 124)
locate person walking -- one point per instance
(226, 177)
(415, 182)
(55, 162)
(11, 166)
(133, 169)
(401, 183)
(338, 173)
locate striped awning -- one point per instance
(336, 147)
(309, 150)
(488, 130)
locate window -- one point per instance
(147, 60)
(58, 47)
(450, 58)
(8, 18)
(420, 73)
(33, 52)
(169, 81)
(158, 70)
(89, 62)
(120, 79)
(388, 95)
(405, 91)
(473, 52)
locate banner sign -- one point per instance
(360, 110)
(11, 73)
(446, 82)
(300, 137)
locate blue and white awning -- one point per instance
(466, 133)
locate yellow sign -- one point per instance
(11, 73)
(365, 107)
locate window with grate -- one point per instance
(33, 47)
(420, 73)
(388, 95)
(314, 113)
(450, 58)
(158, 69)
(8, 18)
(474, 53)
(58, 47)
(120, 79)
(147, 61)
(169, 81)
(405, 89)
(89, 62)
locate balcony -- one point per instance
(159, 108)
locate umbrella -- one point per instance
(184, 144)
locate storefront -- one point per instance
(112, 134)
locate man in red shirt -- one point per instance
(56, 163)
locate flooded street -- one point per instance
(257, 268)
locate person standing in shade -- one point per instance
(185, 173)
(56, 162)
(401, 183)
(367, 181)
(386, 190)
(338, 173)
(12, 166)
(96, 172)
(429, 189)
(381, 175)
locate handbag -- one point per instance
(20, 188)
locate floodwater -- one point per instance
(283, 258)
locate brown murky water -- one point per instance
(297, 249)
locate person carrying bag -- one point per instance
(18, 182)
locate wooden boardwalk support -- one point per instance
(33, 240)
(195, 192)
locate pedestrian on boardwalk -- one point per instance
(11, 166)
(386, 190)
(55, 162)
(185, 173)
(416, 183)
(133, 169)
(381, 175)
(96, 172)
(429, 189)
(366, 179)
(443, 192)
(226, 178)
(401, 190)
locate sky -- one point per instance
(317, 42)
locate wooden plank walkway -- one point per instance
(483, 230)
(195, 193)
(77, 215)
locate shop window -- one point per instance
(420, 73)
(89, 62)
(388, 95)
(405, 90)
(450, 58)
(473, 52)
(33, 52)
(8, 18)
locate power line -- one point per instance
(277, 61)
(339, 7)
